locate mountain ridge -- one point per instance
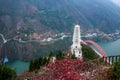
(59, 15)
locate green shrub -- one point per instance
(35, 64)
(73, 56)
(59, 55)
(7, 73)
(115, 71)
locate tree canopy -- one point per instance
(7, 73)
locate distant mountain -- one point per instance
(58, 16)
(22, 18)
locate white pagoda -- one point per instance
(76, 47)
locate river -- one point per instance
(111, 48)
(19, 66)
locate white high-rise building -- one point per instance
(76, 47)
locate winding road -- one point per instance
(41, 41)
(3, 38)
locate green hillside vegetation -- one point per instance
(37, 63)
(88, 53)
(115, 71)
(7, 73)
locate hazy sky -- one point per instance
(116, 2)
